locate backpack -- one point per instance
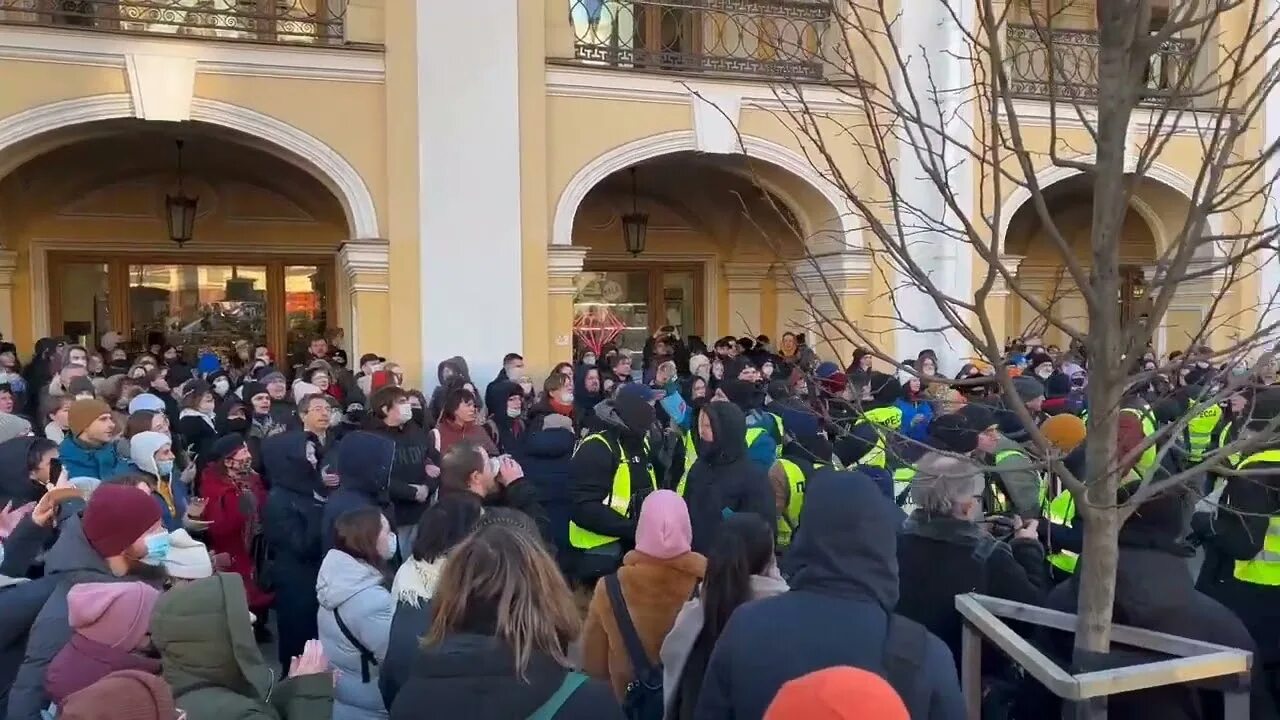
(643, 698)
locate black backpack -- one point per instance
(643, 699)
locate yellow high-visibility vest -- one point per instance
(789, 519)
(889, 417)
(1200, 432)
(618, 499)
(1062, 511)
(1263, 568)
(1147, 460)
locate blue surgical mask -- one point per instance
(157, 549)
(393, 543)
(164, 468)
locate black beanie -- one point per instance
(952, 433)
(635, 412)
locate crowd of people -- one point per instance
(734, 531)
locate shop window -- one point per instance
(306, 295)
(198, 306)
(83, 302)
(626, 305)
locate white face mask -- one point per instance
(566, 397)
(588, 359)
(335, 417)
(221, 386)
(406, 411)
(1044, 372)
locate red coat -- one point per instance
(232, 531)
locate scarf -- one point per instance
(416, 581)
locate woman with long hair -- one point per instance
(740, 568)
(501, 625)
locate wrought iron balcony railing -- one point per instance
(1066, 67)
(779, 39)
(283, 21)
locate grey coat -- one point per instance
(354, 590)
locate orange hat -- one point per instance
(837, 693)
(1065, 431)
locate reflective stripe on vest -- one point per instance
(1263, 568)
(789, 519)
(1040, 476)
(1147, 460)
(1224, 439)
(889, 417)
(902, 478)
(1200, 431)
(1062, 511)
(691, 449)
(618, 499)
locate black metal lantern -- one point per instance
(635, 224)
(180, 210)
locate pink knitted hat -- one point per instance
(115, 614)
(663, 530)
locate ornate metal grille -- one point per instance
(766, 38)
(1066, 67)
(284, 21)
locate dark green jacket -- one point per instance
(205, 639)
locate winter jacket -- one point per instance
(546, 458)
(1235, 533)
(916, 415)
(412, 591)
(83, 662)
(205, 638)
(354, 590)
(678, 647)
(19, 552)
(1018, 478)
(171, 494)
(591, 477)
(234, 514)
(457, 365)
(584, 403)
(1155, 591)
(291, 523)
(473, 677)
(837, 611)
(198, 434)
(69, 562)
(723, 480)
(102, 463)
(941, 557)
(364, 465)
(654, 591)
(408, 469)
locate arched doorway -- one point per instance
(1042, 272)
(724, 235)
(82, 213)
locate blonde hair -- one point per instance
(502, 577)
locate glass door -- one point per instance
(625, 304)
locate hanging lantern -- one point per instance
(180, 210)
(635, 224)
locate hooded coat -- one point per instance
(592, 468)
(584, 403)
(213, 664)
(16, 485)
(510, 431)
(364, 465)
(724, 480)
(473, 677)
(102, 463)
(291, 522)
(749, 398)
(354, 589)
(837, 612)
(69, 562)
(170, 493)
(547, 454)
(234, 513)
(413, 446)
(458, 366)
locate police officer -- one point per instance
(611, 473)
(802, 456)
(1242, 536)
(878, 393)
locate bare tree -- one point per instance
(938, 112)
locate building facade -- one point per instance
(444, 178)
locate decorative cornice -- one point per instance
(1067, 114)
(363, 64)
(8, 265)
(841, 270)
(746, 270)
(365, 257)
(565, 261)
(265, 132)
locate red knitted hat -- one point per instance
(838, 693)
(116, 517)
(122, 695)
(381, 379)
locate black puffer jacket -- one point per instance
(363, 462)
(458, 373)
(473, 677)
(409, 469)
(723, 480)
(592, 468)
(16, 486)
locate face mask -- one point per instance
(566, 398)
(164, 468)
(335, 417)
(389, 549)
(137, 374)
(157, 549)
(406, 411)
(418, 415)
(1044, 373)
(221, 386)
(513, 412)
(240, 467)
(588, 359)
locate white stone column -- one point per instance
(564, 264)
(469, 183)
(938, 61)
(833, 289)
(744, 281)
(364, 281)
(8, 265)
